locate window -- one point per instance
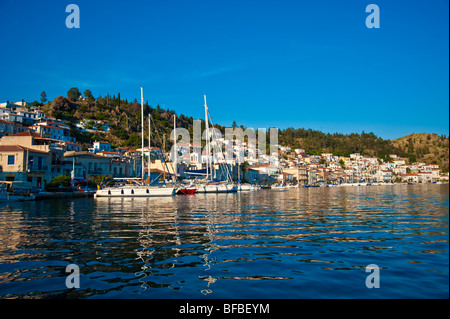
(30, 162)
(11, 159)
(40, 161)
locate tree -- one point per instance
(61, 104)
(88, 95)
(59, 180)
(73, 94)
(244, 168)
(99, 127)
(43, 97)
(120, 133)
(234, 125)
(97, 179)
(89, 125)
(134, 140)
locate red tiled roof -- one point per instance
(26, 133)
(18, 148)
(107, 152)
(48, 126)
(10, 148)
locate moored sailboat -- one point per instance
(136, 187)
(122, 187)
(208, 185)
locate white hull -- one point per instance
(219, 188)
(141, 191)
(246, 187)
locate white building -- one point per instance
(100, 146)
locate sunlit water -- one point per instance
(298, 243)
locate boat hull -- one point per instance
(245, 187)
(187, 191)
(219, 188)
(135, 192)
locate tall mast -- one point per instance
(149, 161)
(163, 156)
(142, 130)
(208, 150)
(175, 144)
(239, 172)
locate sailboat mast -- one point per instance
(208, 150)
(142, 130)
(149, 142)
(175, 153)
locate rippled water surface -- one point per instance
(298, 243)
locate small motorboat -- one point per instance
(187, 190)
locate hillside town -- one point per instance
(36, 148)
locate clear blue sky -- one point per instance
(310, 64)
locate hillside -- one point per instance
(317, 142)
(124, 118)
(425, 147)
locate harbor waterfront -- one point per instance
(293, 243)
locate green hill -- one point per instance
(425, 147)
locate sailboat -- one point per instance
(244, 187)
(132, 187)
(182, 189)
(208, 185)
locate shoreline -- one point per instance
(91, 193)
(56, 195)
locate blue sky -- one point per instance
(310, 64)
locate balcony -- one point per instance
(37, 168)
(56, 147)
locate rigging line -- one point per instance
(228, 174)
(174, 177)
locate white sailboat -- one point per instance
(244, 187)
(209, 186)
(132, 187)
(183, 188)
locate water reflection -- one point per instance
(261, 244)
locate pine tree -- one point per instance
(43, 97)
